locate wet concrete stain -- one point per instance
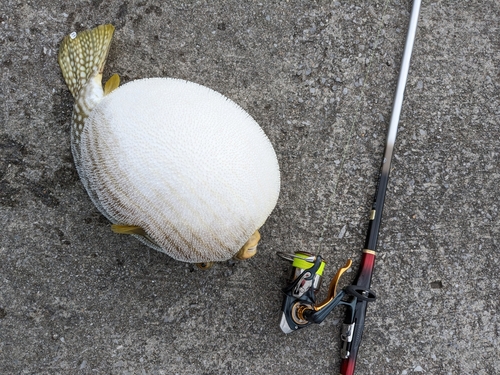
(12, 154)
(14, 164)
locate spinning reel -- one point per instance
(299, 306)
(300, 309)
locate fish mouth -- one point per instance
(249, 249)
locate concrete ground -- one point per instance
(319, 77)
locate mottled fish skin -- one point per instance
(89, 96)
(82, 58)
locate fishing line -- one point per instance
(300, 307)
(347, 147)
(344, 152)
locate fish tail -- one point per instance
(83, 55)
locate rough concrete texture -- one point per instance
(317, 75)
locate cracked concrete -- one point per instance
(317, 76)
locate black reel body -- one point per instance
(300, 293)
(300, 309)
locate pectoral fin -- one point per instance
(249, 249)
(128, 229)
(112, 84)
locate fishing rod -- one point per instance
(299, 308)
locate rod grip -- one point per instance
(350, 349)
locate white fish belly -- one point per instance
(183, 162)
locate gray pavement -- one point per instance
(317, 76)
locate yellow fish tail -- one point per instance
(83, 55)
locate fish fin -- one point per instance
(112, 84)
(249, 249)
(128, 229)
(83, 55)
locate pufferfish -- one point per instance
(176, 164)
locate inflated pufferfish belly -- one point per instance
(184, 163)
(173, 163)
